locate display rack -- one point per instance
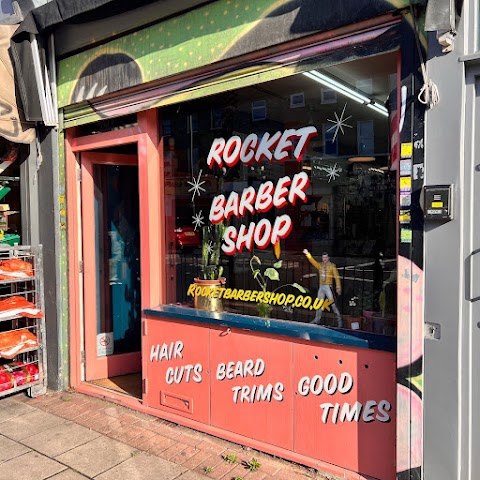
(23, 357)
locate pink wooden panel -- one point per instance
(177, 373)
(238, 404)
(365, 444)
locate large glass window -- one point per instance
(281, 198)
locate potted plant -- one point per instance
(270, 273)
(210, 267)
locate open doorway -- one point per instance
(111, 271)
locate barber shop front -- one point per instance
(240, 230)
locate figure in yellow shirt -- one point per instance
(327, 274)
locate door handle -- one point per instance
(472, 276)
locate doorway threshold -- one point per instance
(130, 385)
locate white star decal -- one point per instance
(198, 220)
(339, 122)
(210, 248)
(332, 172)
(196, 185)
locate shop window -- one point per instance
(330, 143)
(256, 184)
(365, 137)
(329, 96)
(259, 110)
(297, 100)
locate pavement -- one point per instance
(71, 436)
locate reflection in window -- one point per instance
(249, 177)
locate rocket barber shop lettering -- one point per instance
(286, 191)
(277, 147)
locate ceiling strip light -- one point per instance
(346, 91)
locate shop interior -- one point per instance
(351, 200)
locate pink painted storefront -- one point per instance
(216, 176)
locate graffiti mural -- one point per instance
(219, 31)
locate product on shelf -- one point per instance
(15, 268)
(15, 341)
(22, 323)
(16, 374)
(18, 306)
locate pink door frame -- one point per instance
(151, 200)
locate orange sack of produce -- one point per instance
(15, 341)
(18, 307)
(15, 268)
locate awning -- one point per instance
(12, 124)
(76, 23)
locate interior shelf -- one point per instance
(27, 369)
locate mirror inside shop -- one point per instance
(281, 198)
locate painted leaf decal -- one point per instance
(299, 287)
(272, 274)
(278, 264)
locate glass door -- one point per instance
(111, 265)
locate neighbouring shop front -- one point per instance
(242, 190)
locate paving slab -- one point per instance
(60, 439)
(10, 449)
(69, 474)
(97, 456)
(26, 425)
(11, 408)
(145, 467)
(31, 466)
